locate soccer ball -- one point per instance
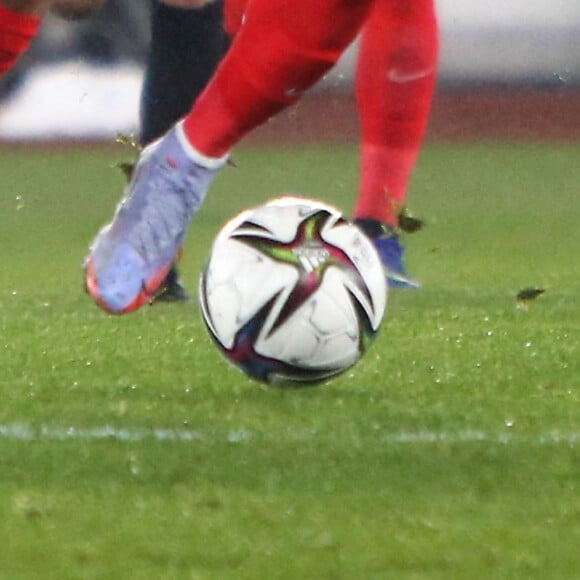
(292, 292)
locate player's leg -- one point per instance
(233, 16)
(186, 47)
(395, 83)
(187, 44)
(283, 47)
(19, 24)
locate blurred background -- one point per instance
(506, 69)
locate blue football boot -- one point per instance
(131, 257)
(390, 250)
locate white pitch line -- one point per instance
(24, 432)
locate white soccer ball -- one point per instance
(292, 291)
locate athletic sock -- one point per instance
(280, 51)
(394, 85)
(17, 29)
(186, 47)
(234, 15)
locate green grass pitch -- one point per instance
(129, 449)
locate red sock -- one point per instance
(17, 29)
(281, 50)
(234, 15)
(395, 82)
